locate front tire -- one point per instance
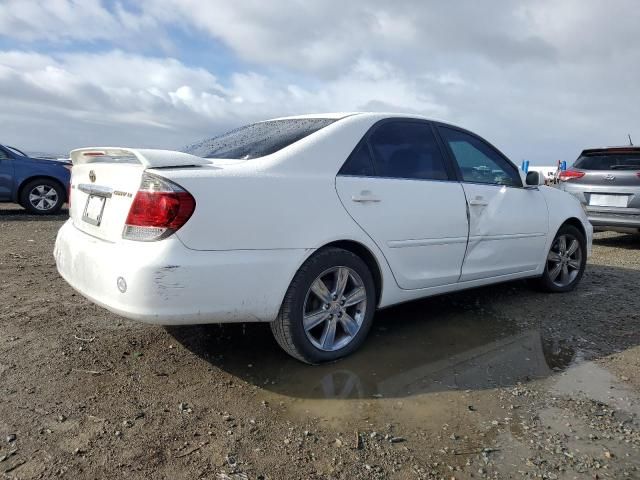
(328, 309)
(42, 197)
(565, 262)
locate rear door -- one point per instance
(6, 175)
(508, 224)
(398, 186)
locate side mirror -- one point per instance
(534, 179)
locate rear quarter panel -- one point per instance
(283, 201)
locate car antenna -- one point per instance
(630, 142)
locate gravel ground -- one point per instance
(499, 382)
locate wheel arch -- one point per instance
(367, 257)
(28, 180)
(575, 222)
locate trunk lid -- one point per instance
(104, 182)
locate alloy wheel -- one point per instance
(43, 197)
(564, 260)
(334, 308)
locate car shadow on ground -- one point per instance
(16, 213)
(490, 337)
(626, 241)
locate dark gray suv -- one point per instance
(607, 183)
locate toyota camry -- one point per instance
(311, 223)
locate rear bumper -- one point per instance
(169, 284)
(605, 220)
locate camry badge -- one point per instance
(92, 176)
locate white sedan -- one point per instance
(311, 223)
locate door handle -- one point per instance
(478, 202)
(365, 197)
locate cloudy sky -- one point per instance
(541, 79)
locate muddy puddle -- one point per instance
(418, 348)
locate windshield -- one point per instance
(15, 150)
(258, 139)
(617, 161)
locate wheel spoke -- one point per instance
(564, 276)
(553, 256)
(328, 335)
(349, 324)
(575, 264)
(40, 204)
(40, 189)
(312, 320)
(356, 296)
(342, 277)
(562, 244)
(573, 246)
(51, 193)
(555, 271)
(321, 291)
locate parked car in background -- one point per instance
(39, 185)
(311, 223)
(607, 183)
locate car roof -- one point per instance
(340, 115)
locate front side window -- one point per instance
(478, 161)
(258, 139)
(3, 154)
(403, 149)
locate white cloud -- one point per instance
(540, 78)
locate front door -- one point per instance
(398, 186)
(508, 223)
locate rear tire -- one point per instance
(328, 309)
(565, 262)
(43, 196)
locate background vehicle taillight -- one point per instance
(570, 175)
(159, 209)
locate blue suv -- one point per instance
(39, 185)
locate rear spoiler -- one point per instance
(149, 158)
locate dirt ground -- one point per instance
(500, 382)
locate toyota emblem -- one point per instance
(92, 176)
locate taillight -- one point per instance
(159, 208)
(570, 175)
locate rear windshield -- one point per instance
(258, 139)
(611, 161)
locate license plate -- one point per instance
(600, 200)
(93, 210)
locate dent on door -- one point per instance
(507, 230)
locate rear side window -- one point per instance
(618, 161)
(258, 139)
(403, 149)
(478, 161)
(359, 163)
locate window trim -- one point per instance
(437, 126)
(8, 154)
(450, 169)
